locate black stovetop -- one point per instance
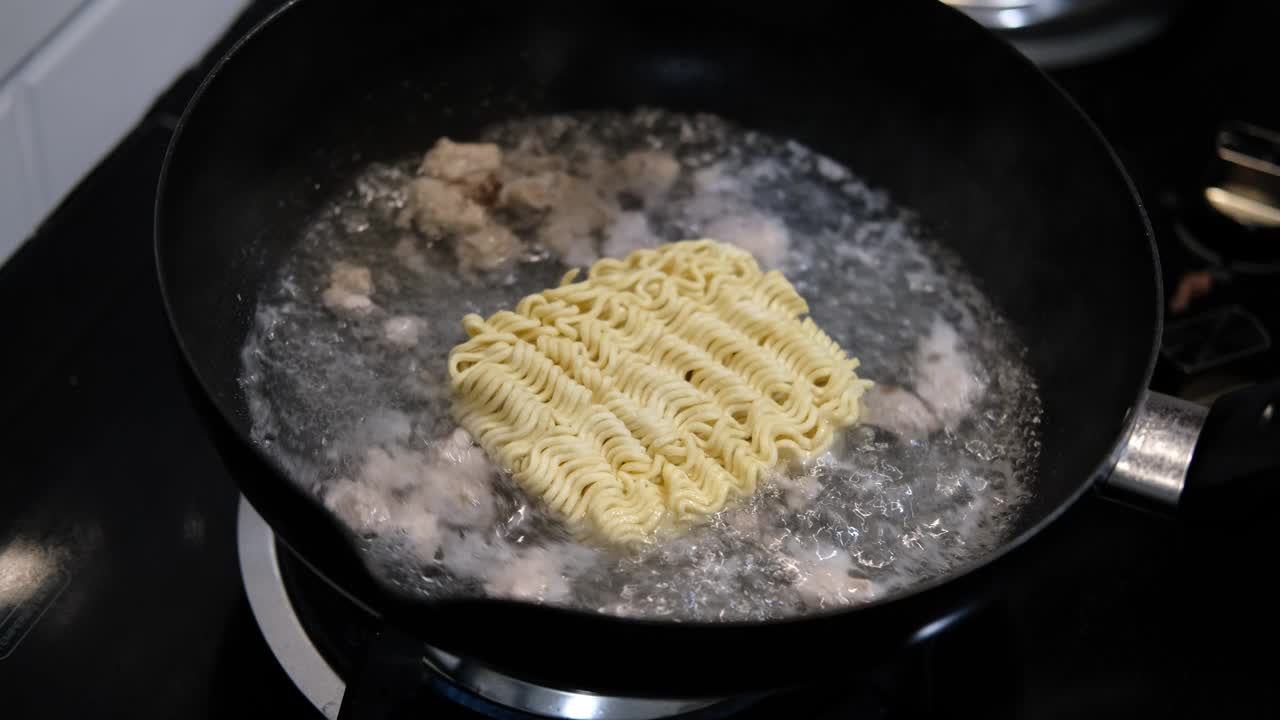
(121, 519)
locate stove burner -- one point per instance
(280, 626)
(512, 692)
(319, 675)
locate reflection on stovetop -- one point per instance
(117, 523)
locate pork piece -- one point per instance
(762, 236)
(649, 173)
(475, 554)
(531, 160)
(451, 482)
(456, 484)
(383, 189)
(349, 289)
(490, 248)
(407, 252)
(534, 193)
(899, 411)
(391, 470)
(535, 574)
(570, 229)
(453, 162)
(743, 521)
(437, 208)
(944, 376)
(629, 232)
(714, 180)
(422, 531)
(361, 507)
(351, 277)
(403, 330)
(824, 579)
(472, 168)
(798, 491)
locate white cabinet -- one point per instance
(77, 76)
(24, 25)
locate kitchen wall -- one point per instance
(75, 76)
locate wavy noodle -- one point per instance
(654, 392)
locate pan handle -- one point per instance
(1182, 455)
(1237, 456)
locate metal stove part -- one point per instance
(302, 661)
(1153, 464)
(1014, 14)
(518, 694)
(260, 571)
(1214, 338)
(1063, 33)
(1244, 177)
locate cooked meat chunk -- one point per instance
(762, 236)
(533, 193)
(403, 330)
(628, 233)
(351, 277)
(453, 162)
(438, 208)
(349, 289)
(489, 248)
(649, 173)
(570, 229)
(899, 411)
(945, 378)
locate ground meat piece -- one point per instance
(824, 579)
(570, 242)
(649, 173)
(348, 293)
(533, 193)
(762, 236)
(361, 507)
(403, 330)
(570, 229)
(490, 248)
(472, 168)
(482, 188)
(352, 278)
(535, 574)
(407, 252)
(945, 380)
(422, 531)
(899, 411)
(798, 491)
(453, 162)
(628, 233)
(453, 482)
(743, 521)
(531, 161)
(383, 189)
(439, 208)
(347, 305)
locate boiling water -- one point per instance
(356, 407)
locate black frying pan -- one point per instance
(911, 95)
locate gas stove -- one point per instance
(134, 581)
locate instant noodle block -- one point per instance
(654, 392)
